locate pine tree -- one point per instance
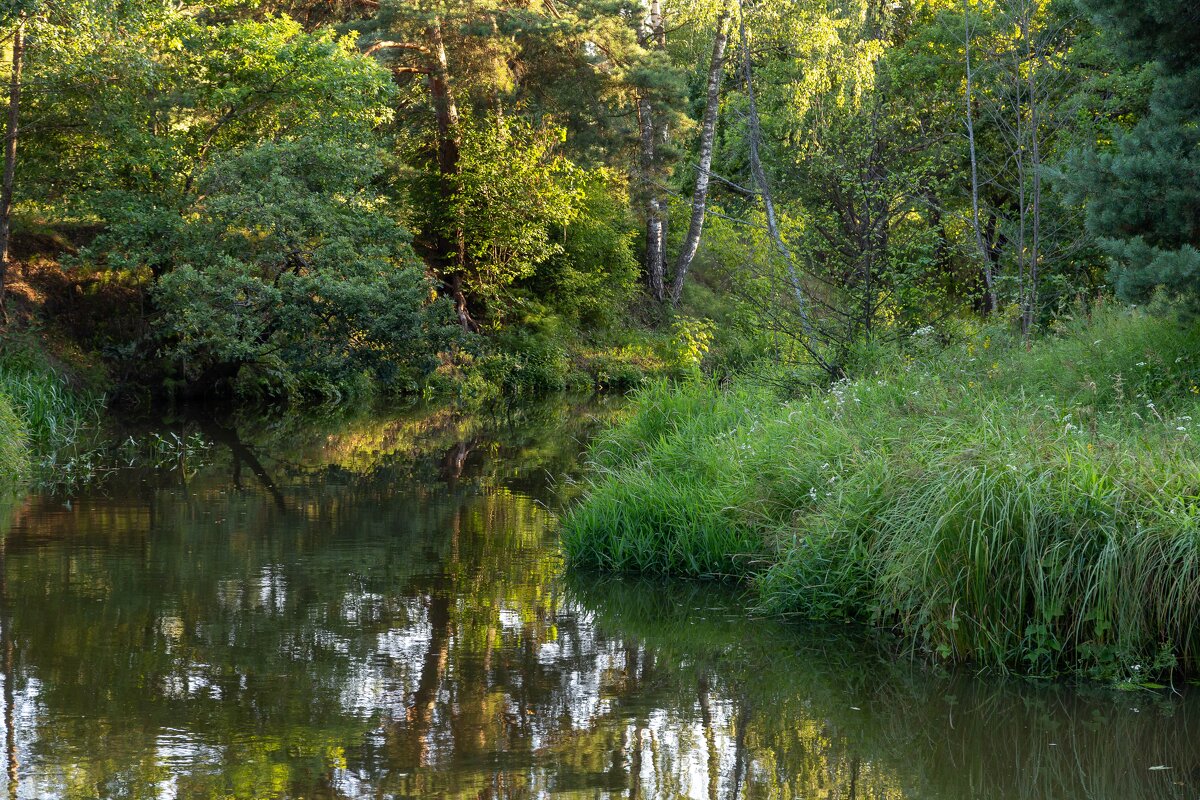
(1145, 191)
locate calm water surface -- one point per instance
(377, 608)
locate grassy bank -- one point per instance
(40, 411)
(12, 443)
(1034, 510)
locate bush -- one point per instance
(593, 278)
(528, 362)
(609, 372)
(281, 278)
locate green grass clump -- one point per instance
(1036, 510)
(12, 444)
(39, 412)
(51, 413)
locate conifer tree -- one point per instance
(1145, 191)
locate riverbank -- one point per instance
(43, 408)
(91, 326)
(1028, 510)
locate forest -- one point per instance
(905, 290)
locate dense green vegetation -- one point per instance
(12, 443)
(799, 211)
(40, 412)
(297, 202)
(1034, 509)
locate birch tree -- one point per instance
(708, 132)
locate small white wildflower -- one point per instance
(1180, 428)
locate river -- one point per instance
(377, 607)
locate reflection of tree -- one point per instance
(165, 607)
(6, 648)
(241, 454)
(414, 739)
(402, 631)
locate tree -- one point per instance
(708, 133)
(468, 70)
(287, 278)
(989, 276)
(1143, 191)
(242, 188)
(754, 142)
(1007, 58)
(12, 131)
(513, 190)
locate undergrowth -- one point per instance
(40, 412)
(1032, 510)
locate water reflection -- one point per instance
(375, 609)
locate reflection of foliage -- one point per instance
(820, 710)
(341, 545)
(375, 608)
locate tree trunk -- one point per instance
(1033, 53)
(10, 159)
(708, 136)
(451, 248)
(989, 278)
(651, 131)
(443, 103)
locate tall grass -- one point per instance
(39, 412)
(12, 444)
(1033, 510)
(53, 414)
